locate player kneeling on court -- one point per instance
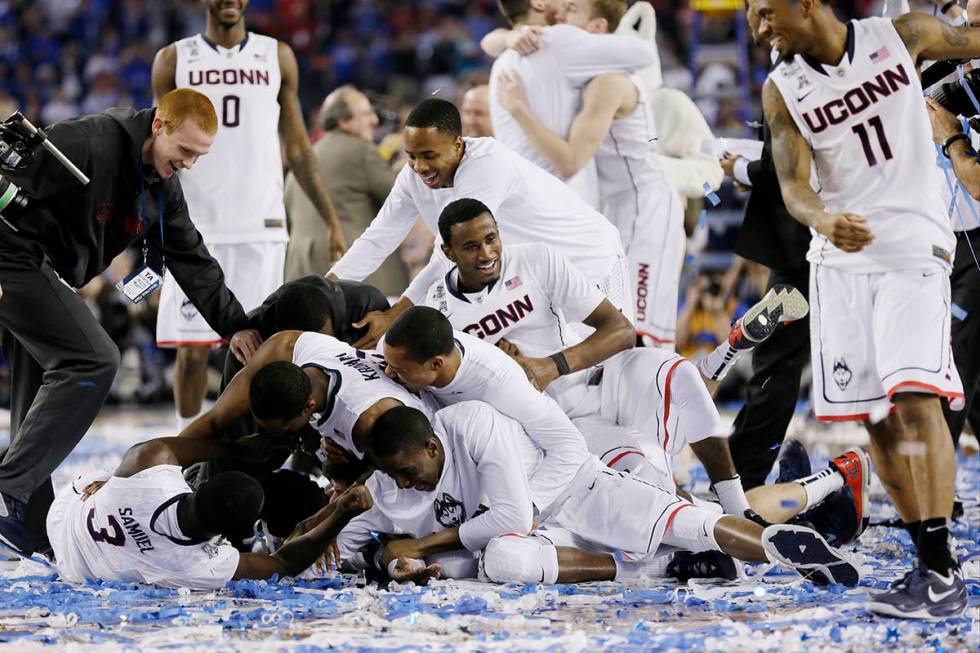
(144, 524)
(461, 482)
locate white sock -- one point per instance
(821, 485)
(732, 496)
(649, 567)
(716, 363)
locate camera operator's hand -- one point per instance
(944, 123)
(847, 231)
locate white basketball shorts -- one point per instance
(650, 221)
(872, 335)
(252, 271)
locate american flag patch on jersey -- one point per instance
(880, 55)
(510, 284)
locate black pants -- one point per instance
(62, 366)
(965, 283)
(772, 392)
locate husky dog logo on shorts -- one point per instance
(187, 309)
(842, 373)
(449, 511)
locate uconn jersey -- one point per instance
(538, 291)
(866, 124)
(355, 382)
(128, 531)
(488, 461)
(234, 194)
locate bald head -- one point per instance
(475, 112)
(973, 13)
(348, 110)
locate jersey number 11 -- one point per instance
(862, 133)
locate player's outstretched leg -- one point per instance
(781, 305)
(843, 486)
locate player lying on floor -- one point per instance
(529, 294)
(461, 482)
(143, 523)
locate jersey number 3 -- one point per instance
(869, 152)
(116, 538)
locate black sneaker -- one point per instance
(834, 518)
(794, 462)
(13, 527)
(922, 594)
(809, 554)
(708, 564)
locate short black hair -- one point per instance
(397, 430)
(228, 504)
(438, 113)
(457, 212)
(279, 391)
(423, 332)
(302, 308)
(290, 497)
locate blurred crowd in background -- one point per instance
(61, 58)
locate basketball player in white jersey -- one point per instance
(567, 59)
(531, 206)
(615, 128)
(144, 524)
(529, 294)
(845, 105)
(235, 196)
(436, 478)
(297, 378)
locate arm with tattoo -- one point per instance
(792, 158)
(927, 37)
(299, 152)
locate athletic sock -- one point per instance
(821, 485)
(650, 567)
(912, 528)
(732, 496)
(716, 363)
(934, 545)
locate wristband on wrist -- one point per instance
(952, 139)
(560, 363)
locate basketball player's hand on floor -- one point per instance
(338, 245)
(377, 322)
(409, 565)
(244, 344)
(847, 231)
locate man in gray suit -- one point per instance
(357, 181)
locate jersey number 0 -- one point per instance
(229, 110)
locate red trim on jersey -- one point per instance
(925, 386)
(848, 418)
(674, 514)
(190, 343)
(659, 341)
(625, 453)
(670, 373)
(512, 534)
